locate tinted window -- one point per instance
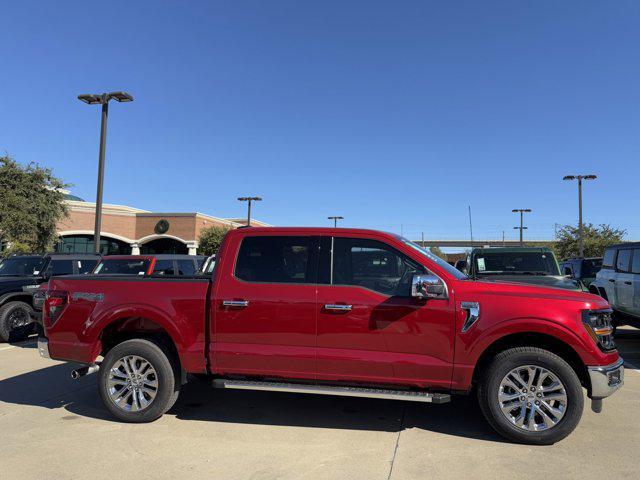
(275, 259)
(18, 266)
(373, 265)
(609, 257)
(61, 267)
(122, 266)
(635, 266)
(624, 256)
(487, 262)
(591, 267)
(186, 267)
(86, 266)
(164, 267)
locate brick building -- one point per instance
(129, 230)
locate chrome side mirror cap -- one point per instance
(428, 286)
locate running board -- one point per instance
(331, 390)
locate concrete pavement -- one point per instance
(52, 427)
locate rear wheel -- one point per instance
(138, 381)
(530, 395)
(15, 321)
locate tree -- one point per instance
(596, 238)
(437, 251)
(31, 204)
(210, 239)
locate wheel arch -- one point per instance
(533, 339)
(17, 297)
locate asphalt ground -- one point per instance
(52, 427)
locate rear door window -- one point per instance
(276, 259)
(186, 267)
(624, 260)
(635, 265)
(86, 266)
(164, 267)
(61, 267)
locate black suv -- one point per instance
(20, 277)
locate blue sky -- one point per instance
(387, 113)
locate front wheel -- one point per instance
(137, 381)
(530, 395)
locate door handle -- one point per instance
(627, 283)
(612, 280)
(337, 308)
(235, 303)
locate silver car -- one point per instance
(618, 281)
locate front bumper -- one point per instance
(605, 380)
(43, 347)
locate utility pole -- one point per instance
(580, 229)
(522, 211)
(102, 99)
(335, 220)
(249, 200)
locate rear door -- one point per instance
(624, 279)
(264, 307)
(369, 327)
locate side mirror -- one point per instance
(427, 286)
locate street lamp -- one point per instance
(102, 99)
(522, 211)
(580, 230)
(335, 220)
(249, 200)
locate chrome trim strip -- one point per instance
(339, 308)
(599, 376)
(334, 390)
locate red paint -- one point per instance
(286, 332)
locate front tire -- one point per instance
(15, 321)
(137, 381)
(530, 395)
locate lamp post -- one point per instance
(249, 200)
(580, 229)
(522, 211)
(102, 99)
(335, 220)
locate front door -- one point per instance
(264, 311)
(369, 327)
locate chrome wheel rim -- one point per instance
(532, 398)
(132, 383)
(18, 317)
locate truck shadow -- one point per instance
(52, 388)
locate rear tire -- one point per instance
(138, 382)
(538, 425)
(15, 321)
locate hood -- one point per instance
(554, 281)
(11, 284)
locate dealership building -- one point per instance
(128, 230)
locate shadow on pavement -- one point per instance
(52, 388)
(628, 342)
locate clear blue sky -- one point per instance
(387, 113)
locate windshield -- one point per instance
(450, 269)
(513, 263)
(21, 266)
(591, 267)
(123, 266)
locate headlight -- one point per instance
(598, 325)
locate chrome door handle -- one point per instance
(337, 308)
(627, 283)
(235, 303)
(612, 280)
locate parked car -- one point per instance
(20, 275)
(161, 264)
(209, 265)
(618, 282)
(534, 265)
(339, 312)
(583, 269)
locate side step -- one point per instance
(331, 390)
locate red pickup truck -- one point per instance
(339, 312)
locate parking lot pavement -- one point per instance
(52, 427)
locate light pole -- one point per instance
(102, 99)
(249, 200)
(580, 230)
(335, 220)
(522, 211)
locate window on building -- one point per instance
(278, 259)
(84, 244)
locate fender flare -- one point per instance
(8, 296)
